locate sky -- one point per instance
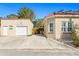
(40, 9)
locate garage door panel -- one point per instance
(5, 30)
(21, 30)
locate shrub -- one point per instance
(75, 38)
(34, 30)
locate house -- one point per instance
(13, 27)
(59, 25)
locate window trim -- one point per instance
(49, 27)
(67, 26)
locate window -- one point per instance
(66, 26)
(69, 26)
(51, 27)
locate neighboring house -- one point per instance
(13, 27)
(59, 25)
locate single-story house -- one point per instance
(13, 27)
(59, 25)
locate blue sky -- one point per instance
(40, 9)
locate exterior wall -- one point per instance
(14, 23)
(0, 30)
(0, 27)
(46, 33)
(58, 34)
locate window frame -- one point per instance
(50, 27)
(66, 27)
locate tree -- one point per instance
(39, 23)
(38, 26)
(26, 13)
(34, 22)
(12, 16)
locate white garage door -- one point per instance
(21, 30)
(5, 30)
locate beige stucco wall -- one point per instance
(46, 33)
(0, 30)
(58, 23)
(14, 23)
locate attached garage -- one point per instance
(16, 27)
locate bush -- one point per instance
(34, 30)
(75, 38)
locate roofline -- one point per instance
(62, 16)
(13, 19)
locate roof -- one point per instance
(63, 13)
(8, 18)
(12, 18)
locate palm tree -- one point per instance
(12, 16)
(26, 13)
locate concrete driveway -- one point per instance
(30, 42)
(34, 45)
